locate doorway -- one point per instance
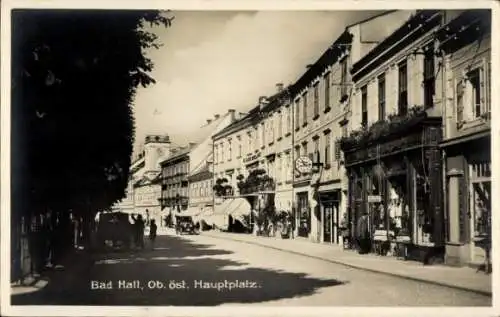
(331, 223)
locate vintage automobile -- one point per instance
(184, 224)
(114, 230)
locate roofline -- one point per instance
(373, 55)
(372, 18)
(172, 158)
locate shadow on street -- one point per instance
(202, 273)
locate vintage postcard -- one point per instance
(185, 158)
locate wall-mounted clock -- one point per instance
(303, 164)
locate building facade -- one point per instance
(174, 184)
(321, 98)
(392, 153)
(260, 141)
(144, 188)
(465, 43)
(192, 161)
(201, 185)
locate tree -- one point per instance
(74, 78)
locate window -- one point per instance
(222, 152)
(297, 113)
(239, 148)
(258, 136)
(364, 106)
(328, 141)
(304, 108)
(381, 97)
(230, 150)
(280, 125)
(271, 129)
(316, 100)
(216, 153)
(429, 79)
(480, 173)
(316, 148)
(344, 131)
(288, 120)
(460, 101)
(249, 144)
(280, 169)
(475, 89)
(403, 89)
(327, 91)
(304, 148)
(297, 152)
(263, 134)
(337, 151)
(343, 77)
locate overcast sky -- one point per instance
(213, 61)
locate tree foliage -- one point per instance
(74, 78)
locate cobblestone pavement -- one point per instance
(199, 270)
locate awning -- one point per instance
(239, 206)
(222, 208)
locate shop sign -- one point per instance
(251, 157)
(374, 199)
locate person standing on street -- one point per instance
(152, 233)
(139, 231)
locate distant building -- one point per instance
(261, 140)
(144, 188)
(188, 161)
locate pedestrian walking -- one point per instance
(152, 233)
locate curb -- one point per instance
(406, 277)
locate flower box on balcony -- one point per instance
(395, 125)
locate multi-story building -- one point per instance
(320, 99)
(259, 141)
(144, 187)
(201, 185)
(465, 43)
(392, 154)
(188, 161)
(174, 184)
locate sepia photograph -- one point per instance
(254, 157)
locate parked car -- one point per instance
(184, 224)
(114, 230)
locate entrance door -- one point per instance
(336, 224)
(328, 223)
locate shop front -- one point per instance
(468, 190)
(395, 180)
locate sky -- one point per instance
(212, 61)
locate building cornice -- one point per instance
(414, 28)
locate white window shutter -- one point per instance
(468, 101)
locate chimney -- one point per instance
(217, 116)
(191, 144)
(262, 102)
(209, 121)
(232, 113)
(279, 87)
